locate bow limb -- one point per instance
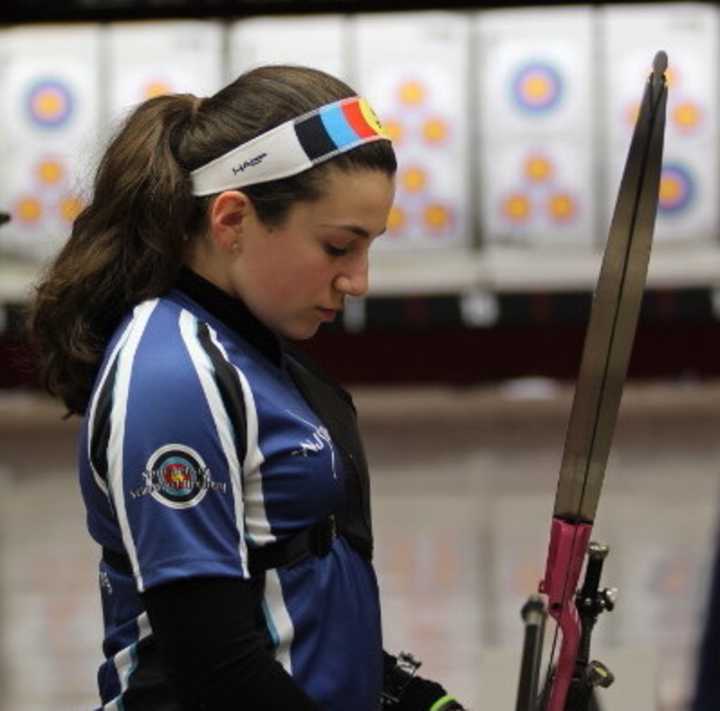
(606, 353)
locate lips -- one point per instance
(328, 314)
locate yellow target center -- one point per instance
(396, 219)
(687, 115)
(412, 93)
(70, 207)
(48, 103)
(517, 207)
(436, 216)
(669, 189)
(435, 130)
(156, 88)
(50, 172)
(414, 180)
(29, 209)
(394, 130)
(538, 169)
(562, 207)
(536, 87)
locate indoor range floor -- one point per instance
(463, 488)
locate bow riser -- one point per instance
(566, 553)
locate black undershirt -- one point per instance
(215, 658)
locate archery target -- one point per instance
(413, 69)
(316, 42)
(535, 71)
(51, 110)
(677, 188)
(536, 146)
(49, 103)
(536, 87)
(50, 85)
(44, 198)
(688, 33)
(151, 59)
(688, 193)
(537, 193)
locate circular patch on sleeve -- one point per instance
(179, 476)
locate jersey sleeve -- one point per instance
(175, 453)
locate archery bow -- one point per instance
(608, 344)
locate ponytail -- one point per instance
(125, 247)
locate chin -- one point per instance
(300, 333)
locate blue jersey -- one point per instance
(197, 448)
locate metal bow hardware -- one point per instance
(608, 343)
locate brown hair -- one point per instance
(127, 245)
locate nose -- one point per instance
(353, 280)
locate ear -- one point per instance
(229, 216)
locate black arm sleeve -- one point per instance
(212, 652)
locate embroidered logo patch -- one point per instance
(176, 476)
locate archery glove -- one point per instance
(404, 691)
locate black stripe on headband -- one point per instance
(313, 137)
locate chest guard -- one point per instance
(335, 408)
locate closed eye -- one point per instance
(336, 251)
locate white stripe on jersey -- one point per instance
(141, 316)
(93, 405)
(125, 662)
(278, 619)
(257, 525)
(224, 427)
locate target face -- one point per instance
(677, 189)
(414, 77)
(688, 208)
(49, 103)
(537, 87)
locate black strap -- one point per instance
(315, 540)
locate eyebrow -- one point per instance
(359, 231)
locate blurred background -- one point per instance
(511, 126)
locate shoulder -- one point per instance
(160, 348)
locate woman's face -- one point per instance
(295, 277)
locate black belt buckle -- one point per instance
(322, 537)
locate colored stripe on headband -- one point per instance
(292, 147)
(314, 138)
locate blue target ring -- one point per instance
(49, 103)
(677, 189)
(537, 87)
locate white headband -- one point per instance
(291, 147)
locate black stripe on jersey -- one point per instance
(313, 137)
(100, 435)
(228, 384)
(148, 686)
